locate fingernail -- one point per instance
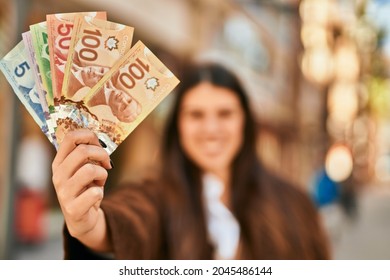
(102, 144)
(112, 164)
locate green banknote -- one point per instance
(41, 46)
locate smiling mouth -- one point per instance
(212, 148)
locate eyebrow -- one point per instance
(221, 107)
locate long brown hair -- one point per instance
(261, 211)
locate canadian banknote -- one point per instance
(41, 47)
(19, 73)
(107, 86)
(122, 99)
(51, 124)
(95, 46)
(59, 30)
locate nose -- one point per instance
(211, 124)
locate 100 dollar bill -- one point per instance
(124, 96)
(95, 47)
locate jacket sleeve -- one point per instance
(75, 250)
(134, 220)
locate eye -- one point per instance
(225, 113)
(195, 114)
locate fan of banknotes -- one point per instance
(78, 70)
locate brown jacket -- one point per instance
(140, 224)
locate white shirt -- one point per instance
(223, 228)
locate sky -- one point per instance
(379, 12)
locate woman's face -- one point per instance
(211, 126)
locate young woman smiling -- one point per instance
(211, 200)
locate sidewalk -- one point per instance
(51, 248)
(368, 236)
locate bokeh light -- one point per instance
(339, 163)
(343, 102)
(317, 64)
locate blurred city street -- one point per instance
(317, 74)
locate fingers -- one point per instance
(79, 174)
(79, 207)
(71, 141)
(80, 156)
(74, 168)
(88, 174)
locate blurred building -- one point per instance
(315, 71)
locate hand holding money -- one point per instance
(78, 70)
(79, 184)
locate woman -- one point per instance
(211, 188)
